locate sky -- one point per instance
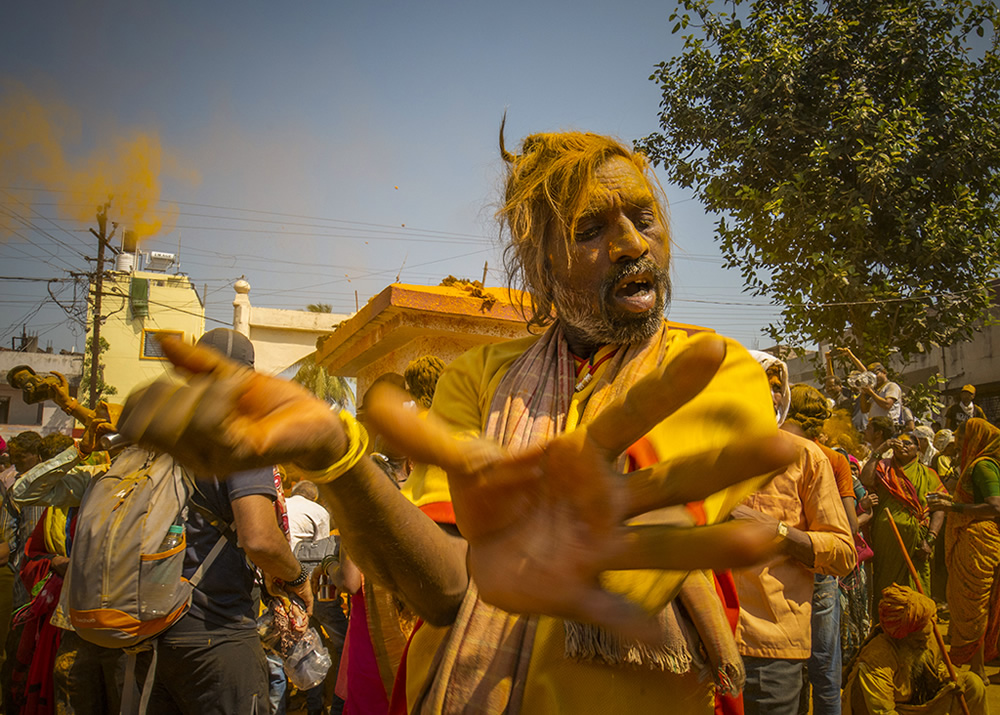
(320, 149)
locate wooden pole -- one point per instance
(95, 335)
(937, 632)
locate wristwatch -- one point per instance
(782, 530)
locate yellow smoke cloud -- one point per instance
(37, 140)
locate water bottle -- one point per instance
(175, 534)
(158, 577)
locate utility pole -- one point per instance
(95, 341)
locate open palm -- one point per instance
(547, 525)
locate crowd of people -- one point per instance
(609, 515)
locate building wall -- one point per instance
(280, 337)
(173, 305)
(45, 417)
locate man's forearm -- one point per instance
(398, 546)
(275, 559)
(885, 403)
(852, 514)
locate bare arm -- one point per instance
(425, 566)
(853, 358)
(543, 524)
(346, 576)
(852, 514)
(990, 509)
(265, 544)
(885, 403)
(867, 475)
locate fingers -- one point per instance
(695, 477)
(671, 548)
(195, 358)
(426, 439)
(139, 419)
(423, 438)
(658, 395)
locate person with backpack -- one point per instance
(211, 660)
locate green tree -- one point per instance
(318, 381)
(851, 149)
(104, 390)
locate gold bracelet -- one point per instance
(357, 444)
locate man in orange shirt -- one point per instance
(775, 629)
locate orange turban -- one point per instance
(903, 611)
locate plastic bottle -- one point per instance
(159, 577)
(175, 534)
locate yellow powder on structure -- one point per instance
(473, 288)
(37, 142)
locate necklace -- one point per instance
(589, 375)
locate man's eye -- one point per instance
(645, 220)
(588, 234)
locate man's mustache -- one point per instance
(643, 264)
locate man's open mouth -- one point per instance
(636, 293)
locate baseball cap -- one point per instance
(235, 346)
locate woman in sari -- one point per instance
(972, 543)
(902, 484)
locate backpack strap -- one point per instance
(227, 530)
(204, 565)
(134, 703)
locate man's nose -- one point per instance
(627, 243)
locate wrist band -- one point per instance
(357, 444)
(300, 579)
(958, 508)
(327, 560)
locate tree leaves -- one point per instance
(852, 149)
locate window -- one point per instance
(4, 410)
(151, 349)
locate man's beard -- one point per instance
(607, 326)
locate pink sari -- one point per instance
(359, 682)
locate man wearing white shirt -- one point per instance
(885, 399)
(307, 519)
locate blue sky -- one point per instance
(322, 148)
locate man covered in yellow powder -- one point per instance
(900, 668)
(547, 578)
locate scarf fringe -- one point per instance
(592, 644)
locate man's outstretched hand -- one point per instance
(544, 524)
(226, 418)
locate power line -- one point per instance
(31, 208)
(27, 223)
(39, 280)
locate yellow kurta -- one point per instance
(879, 685)
(736, 404)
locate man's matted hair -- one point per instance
(546, 190)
